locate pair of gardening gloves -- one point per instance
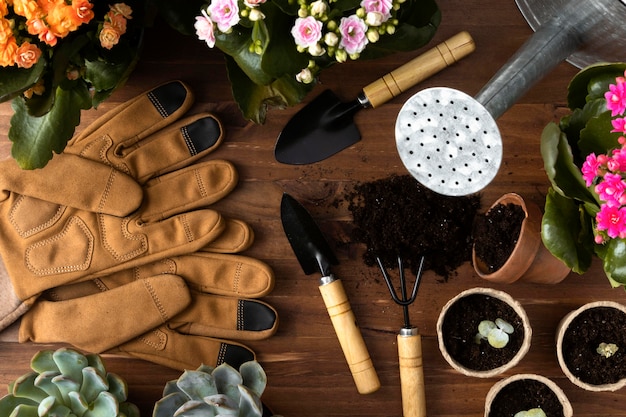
(112, 247)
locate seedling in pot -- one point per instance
(533, 412)
(496, 333)
(607, 349)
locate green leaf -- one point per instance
(43, 361)
(592, 82)
(168, 404)
(8, 403)
(254, 377)
(104, 405)
(615, 261)
(561, 170)
(17, 80)
(93, 384)
(254, 99)
(566, 232)
(596, 136)
(36, 138)
(197, 385)
(24, 387)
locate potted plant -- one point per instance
(591, 346)
(583, 157)
(527, 395)
(57, 59)
(275, 49)
(209, 391)
(483, 332)
(65, 382)
(507, 244)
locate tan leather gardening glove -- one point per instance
(124, 193)
(105, 314)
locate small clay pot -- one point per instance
(588, 355)
(456, 339)
(506, 389)
(530, 260)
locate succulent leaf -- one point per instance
(171, 387)
(44, 362)
(254, 377)
(44, 382)
(485, 327)
(195, 408)
(95, 361)
(117, 386)
(92, 385)
(224, 405)
(505, 326)
(128, 410)
(65, 386)
(70, 363)
(105, 405)
(8, 403)
(55, 409)
(226, 380)
(249, 404)
(167, 406)
(197, 385)
(498, 338)
(25, 387)
(78, 404)
(46, 405)
(24, 410)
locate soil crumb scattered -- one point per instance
(398, 217)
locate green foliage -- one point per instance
(216, 391)
(67, 383)
(571, 207)
(266, 78)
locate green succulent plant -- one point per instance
(220, 391)
(66, 383)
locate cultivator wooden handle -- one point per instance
(350, 338)
(411, 372)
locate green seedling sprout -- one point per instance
(496, 333)
(607, 349)
(533, 412)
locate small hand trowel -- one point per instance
(315, 255)
(325, 126)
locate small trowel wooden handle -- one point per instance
(419, 69)
(350, 337)
(411, 375)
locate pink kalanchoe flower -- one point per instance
(611, 189)
(378, 6)
(353, 34)
(616, 97)
(619, 125)
(619, 159)
(612, 220)
(307, 31)
(204, 29)
(225, 13)
(590, 168)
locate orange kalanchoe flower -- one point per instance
(114, 25)
(27, 55)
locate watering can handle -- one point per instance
(411, 373)
(349, 336)
(419, 69)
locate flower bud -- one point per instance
(373, 36)
(318, 8)
(360, 12)
(331, 39)
(302, 12)
(316, 50)
(341, 55)
(305, 76)
(256, 14)
(374, 19)
(391, 30)
(332, 25)
(355, 56)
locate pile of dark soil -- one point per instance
(460, 326)
(523, 395)
(496, 234)
(584, 334)
(397, 216)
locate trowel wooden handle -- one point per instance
(411, 375)
(350, 337)
(419, 69)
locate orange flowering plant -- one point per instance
(58, 57)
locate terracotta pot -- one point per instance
(564, 325)
(530, 260)
(463, 368)
(498, 386)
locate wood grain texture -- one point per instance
(307, 372)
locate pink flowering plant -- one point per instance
(58, 57)
(585, 159)
(276, 49)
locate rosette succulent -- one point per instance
(220, 391)
(66, 383)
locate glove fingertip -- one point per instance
(170, 97)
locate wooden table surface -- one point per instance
(306, 369)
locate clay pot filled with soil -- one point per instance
(463, 342)
(591, 346)
(508, 247)
(525, 392)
